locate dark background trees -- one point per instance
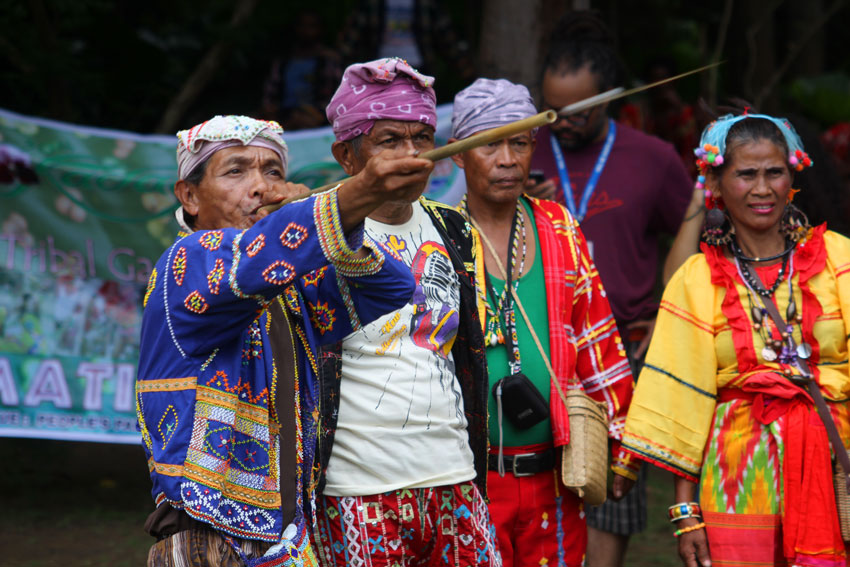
(162, 65)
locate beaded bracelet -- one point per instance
(693, 528)
(684, 510)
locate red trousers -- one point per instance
(539, 522)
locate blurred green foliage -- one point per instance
(826, 98)
(119, 63)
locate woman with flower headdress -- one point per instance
(720, 402)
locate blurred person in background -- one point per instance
(302, 80)
(419, 31)
(627, 189)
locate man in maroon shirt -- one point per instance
(626, 188)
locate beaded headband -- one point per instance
(200, 142)
(712, 143)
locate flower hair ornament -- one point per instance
(711, 152)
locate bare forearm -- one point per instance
(684, 490)
(686, 242)
(693, 541)
(355, 204)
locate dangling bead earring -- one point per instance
(794, 223)
(717, 230)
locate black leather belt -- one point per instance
(525, 464)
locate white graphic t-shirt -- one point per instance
(401, 421)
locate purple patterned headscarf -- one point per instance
(384, 89)
(200, 142)
(489, 103)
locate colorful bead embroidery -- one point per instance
(215, 276)
(306, 349)
(253, 347)
(345, 292)
(219, 379)
(151, 286)
(209, 360)
(392, 246)
(279, 273)
(334, 244)
(167, 308)
(291, 296)
(256, 245)
(196, 303)
(242, 390)
(293, 235)
(179, 266)
(169, 417)
(322, 316)
(212, 239)
(314, 277)
(299, 431)
(228, 515)
(234, 267)
(273, 389)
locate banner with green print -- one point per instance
(84, 215)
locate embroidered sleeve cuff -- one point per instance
(625, 464)
(340, 250)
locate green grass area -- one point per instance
(73, 504)
(84, 504)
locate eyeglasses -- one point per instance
(578, 119)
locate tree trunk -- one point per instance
(205, 71)
(510, 41)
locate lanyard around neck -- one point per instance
(580, 212)
(507, 311)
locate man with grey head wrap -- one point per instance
(488, 103)
(538, 521)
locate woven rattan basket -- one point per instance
(842, 501)
(584, 467)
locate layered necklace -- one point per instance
(743, 263)
(775, 343)
(493, 332)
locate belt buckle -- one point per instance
(514, 462)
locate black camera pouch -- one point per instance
(522, 403)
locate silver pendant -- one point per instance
(494, 340)
(804, 351)
(768, 354)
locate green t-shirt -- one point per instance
(532, 294)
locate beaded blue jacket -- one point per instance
(206, 385)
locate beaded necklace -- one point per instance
(775, 340)
(743, 263)
(494, 333)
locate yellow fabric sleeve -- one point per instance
(674, 400)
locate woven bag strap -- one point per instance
(522, 311)
(812, 387)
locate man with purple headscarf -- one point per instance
(403, 456)
(235, 309)
(545, 258)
